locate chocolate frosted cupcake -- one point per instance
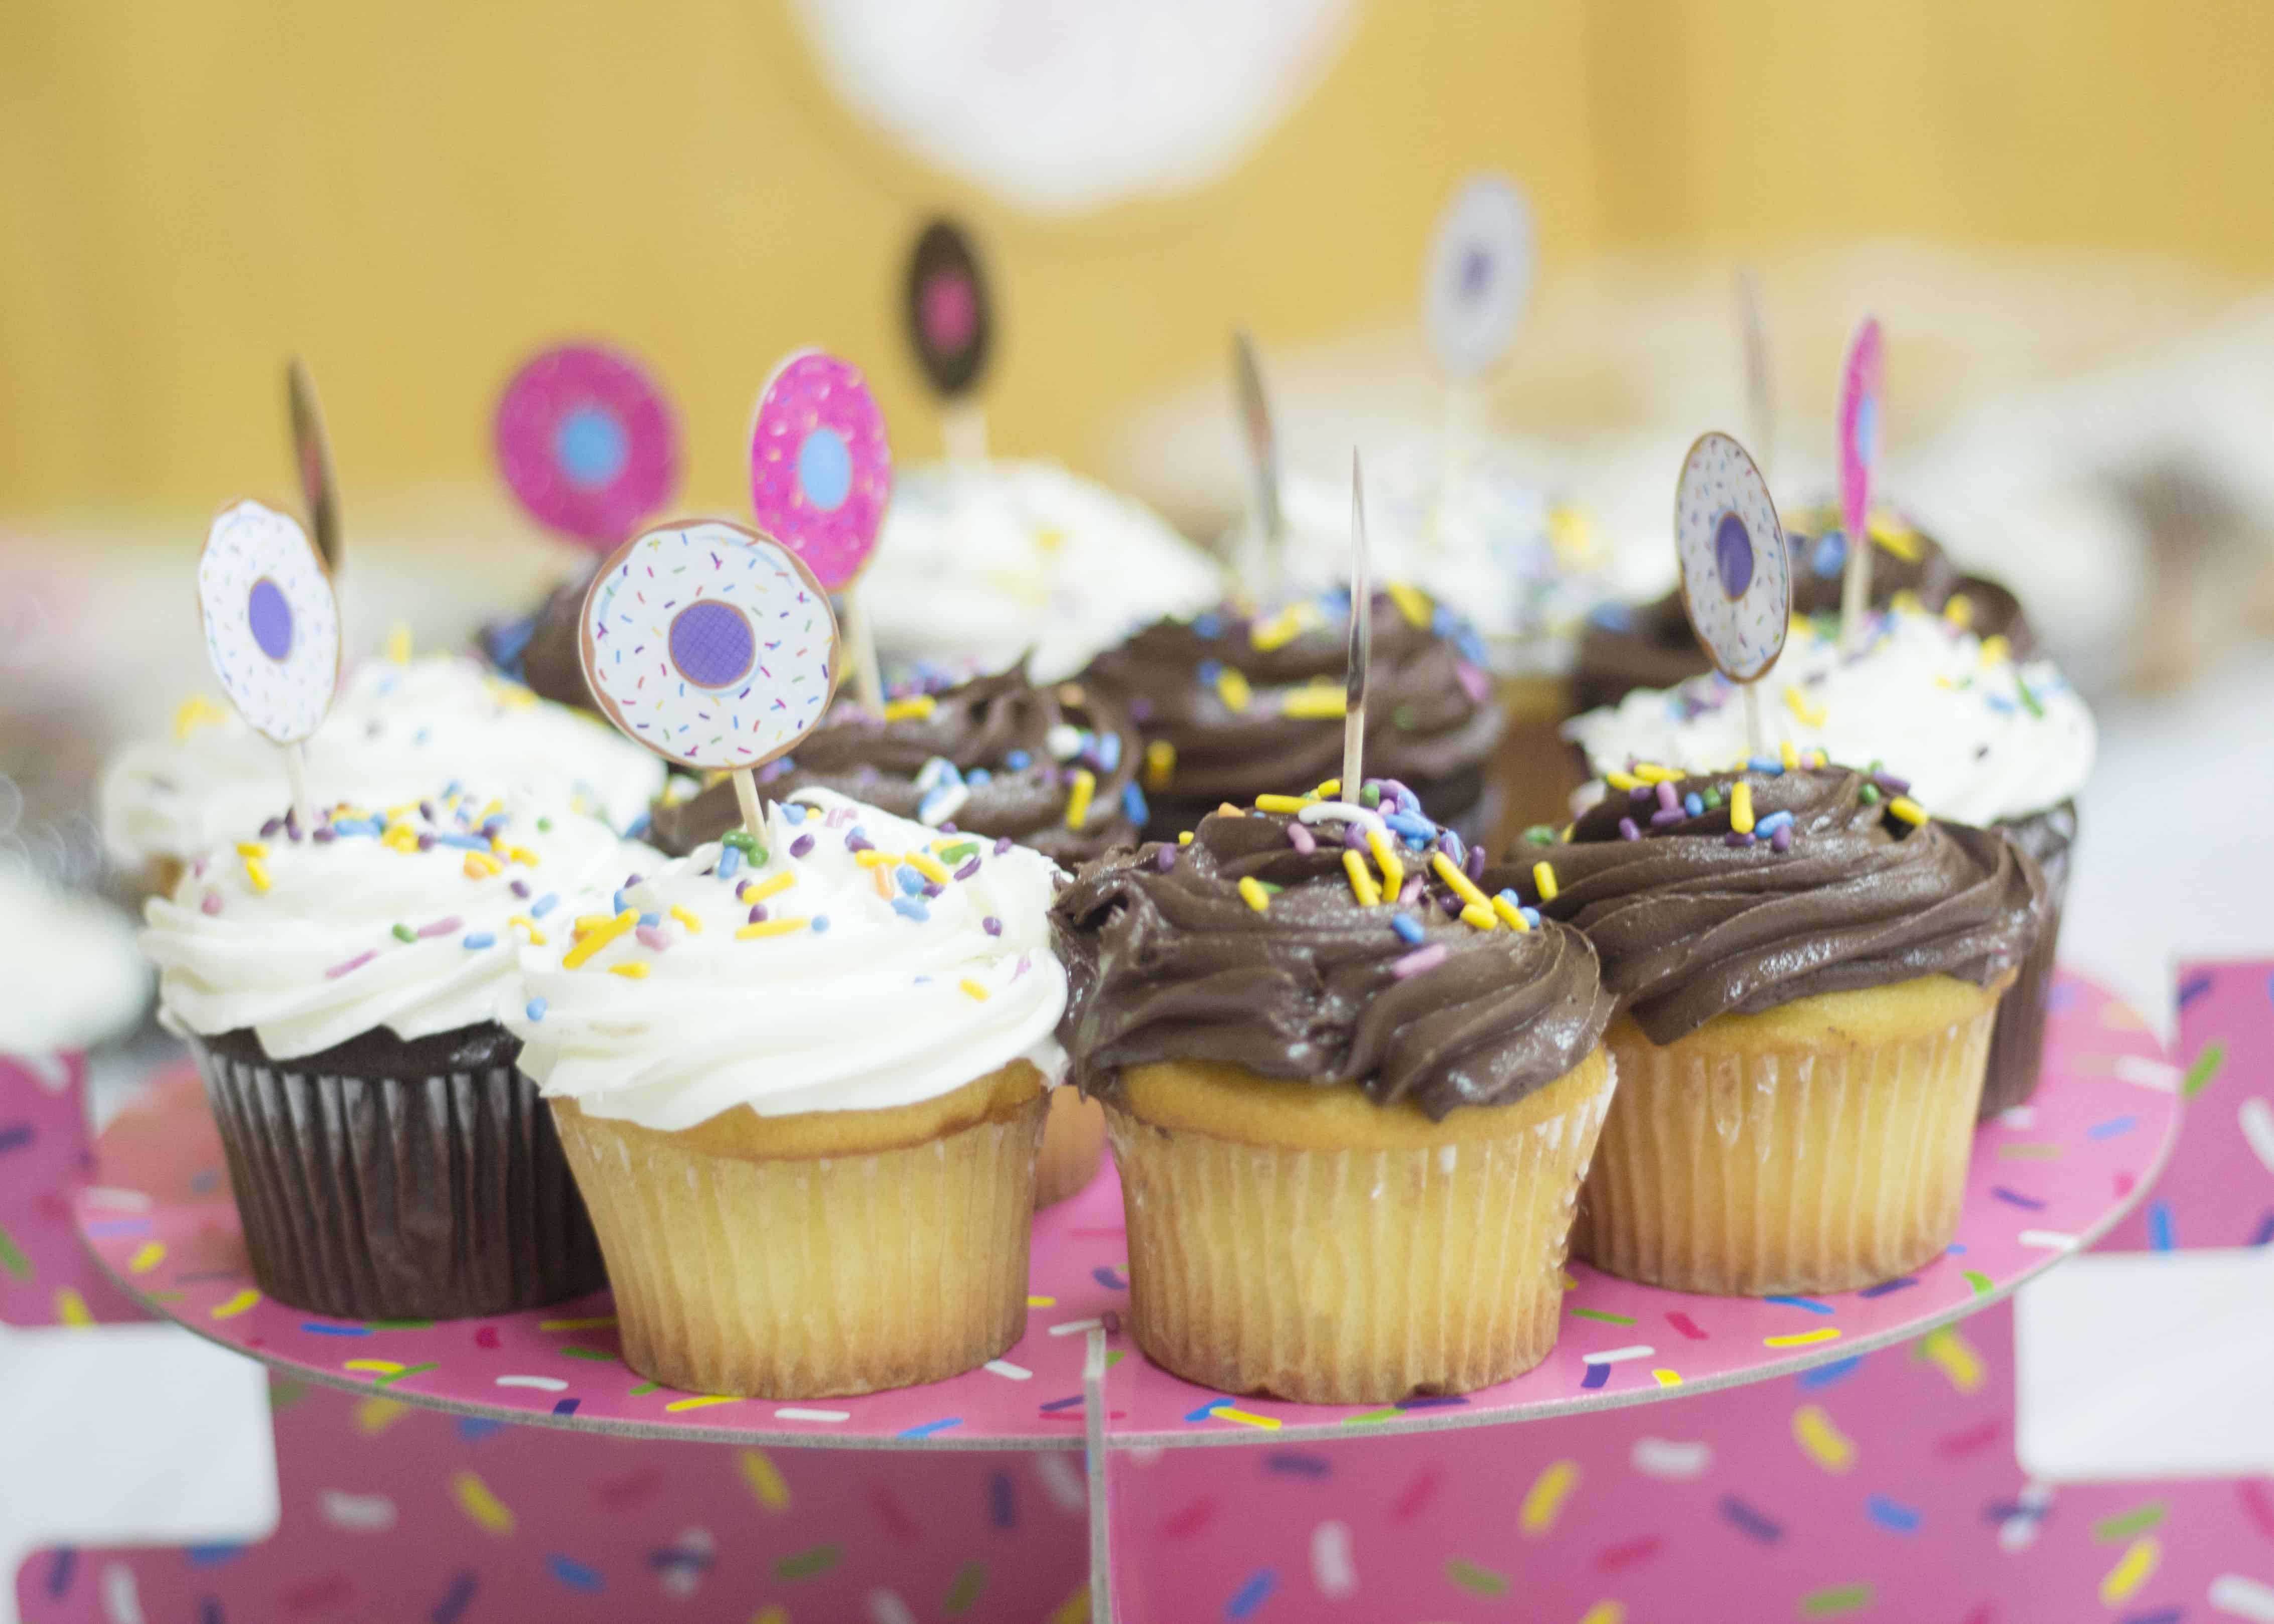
(1233, 706)
(1352, 1100)
(1985, 736)
(539, 650)
(1807, 969)
(1652, 645)
(338, 988)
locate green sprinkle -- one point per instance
(743, 841)
(2205, 1069)
(2139, 1519)
(1980, 1281)
(2028, 700)
(1712, 799)
(971, 1580)
(1871, 794)
(544, 825)
(1371, 1416)
(1406, 718)
(12, 1258)
(404, 933)
(401, 1325)
(1475, 1580)
(1604, 1315)
(806, 1564)
(1878, 764)
(588, 1353)
(1115, 1356)
(1269, 890)
(957, 854)
(1540, 834)
(644, 1388)
(1370, 795)
(1839, 1598)
(404, 1374)
(284, 1392)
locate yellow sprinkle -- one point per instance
(1042, 1302)
(1386, 860)
(1280, 803)
(1361, 882)
(1224, 808)
(1959, 610)
(1896, 536)
(374, 1416)
(1183, 837)
(401, 838)
(764, 1478)
(873, 859)
(1252, 893)
(1621, 780)
(237, 1305)
(72, 1309)
(1315, 702)
(585, 924)
(1160, 764)
(491, 811)
(599, 937)
(2133, 1569)
(1940, 680)
(913, 708)
(1906, 602)
(1571, 533)
(1789, 756)
(374, 1367)
(1278, 631)
(251, 848)
(398, 643)
(1995, 649)
(771, 928)
(535, 936)
(257, 871)
(1085, 785)
(1510, 912)
(1479, 918)
(490, 1513)
(1411, 602)
(1802, 1339)
(1796, 702)
(975, 989)
(1741, 807)
(1232, 686)
(1605, 1611)
(686, 917)
(522, 855)
(147, 1257)
(194, 713)
(1824, 1443)
(582, 1322)
(1904, 807)
(702, 1401)
(1226, 1412)
(635, 971)
(929, 866)
(1651, 773)
(774, 885)
(1543, 1502)
(1074, 1610)
(1332, 786)
(1954, 1356)
(1461, 885)
(1543, 876)
(1666, 1378)
(481, 865)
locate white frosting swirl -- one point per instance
(840, 999)
(1525, 571)
(1978, 737)
(69, 974)
(396, 730)
(312, 942)
(986, 561)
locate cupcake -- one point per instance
(1524, 569)
(539, 650)
(397, 729)
(1352, 1100)
(1807, 969)
(1984, 737)
(338, 989)
(994, 561)
(1232, 706)
(801, 1080)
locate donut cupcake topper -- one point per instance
(821, 469)
(311, 459)
(1737, 584)
(1479, 273)
(950, 322)
(587, 444)
(1860, 376)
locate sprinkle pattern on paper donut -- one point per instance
(1859, 425)
(272, 624)
(821, 469)
(1481, 259)
(1736, 579)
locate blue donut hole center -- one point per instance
(591, 447)
(1733, 555)
(713, 645)
(270, 618)
(824, 469)
(1867, 431)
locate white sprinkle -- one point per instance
(115, 1200)
(1076, 1328)
(2156, 1074)
(1331, 1568)
(1668, 1457)
(2241, 1599)
(122, 1596)
(2019, 1531)
(543, 1384)
(358, 1514)
(2051, 1240)
(2257, 1119)
(1063, 742)
(1010, 1372)
(886, 1608)
(795, 1414)
(2021, 1116)
(1063, 1482)
(1613, 1356)
(942, 804)
(1342, 812)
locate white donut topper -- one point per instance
(1736, 582)
(271, 622)
(1479, 278)
(710, 644)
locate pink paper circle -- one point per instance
(1859, 426)
(587, 444)
(821, 469)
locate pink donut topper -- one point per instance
(1859, 426)
(587, 444)
(820, 468)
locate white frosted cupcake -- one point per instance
(397, 729)
(338, 991)
(985, 561)
(802, 1083)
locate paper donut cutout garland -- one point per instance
(1736, 582)
(1479, 277)
(587, 444)
(1860, 376)
(821, 469)
(951, 320)
(312, 456)
(271, 622)
(709, 644)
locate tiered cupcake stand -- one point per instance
(1834, 1484)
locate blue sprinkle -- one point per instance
(1208, 624)
(61, 1567)
(2264, 1232)
(930, 1427)
(1829, 555)
(1530, 917)
(1761, 1528)
(1769, 764)
(1694, 804)
(1808, 1302)
(16, 1135)
(1434, 1401)
(473, 1429)
(616, 904)
(2015, 1198)
(1829, 1375)
(1888, 1287)
(480, 940)
(537, 1008)
(1412, 828)
(461, 1592)
(1056, 1404)
(1891, 1514)
(909, 881)
(1208, 1410)
(1110, 1280)
(1408, 928)
(462, 842)
(1251, 1595)
(1597, 1375)
(213, 1555)
(1133, 805)
(2112, 1128)
(908, 907)
(651, 919)
(794, 810)
(1770, 824)
(1018, 761)
(820, 923)
(575, 1575)
(1299, 1465)
(319, 1328)
(1612, 617)
(978, 778)
(1002, 1499)
(730, 860)
(2161, 1234)
(567, 1406)
(2194, 988)
(1108, 751)
(1210, 672)
(544, 904)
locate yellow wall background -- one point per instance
(415, 195)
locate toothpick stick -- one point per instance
(1856, 589)
(746, 796)
(868, 679)
(1753, 744)
(1360, 655)
(1760, 401)
(296, 768)
(963, 431)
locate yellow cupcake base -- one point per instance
(1819, 1147)
(816, 1255)
(1305, 1242)
(1074, 1143)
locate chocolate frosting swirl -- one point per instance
(539, 650)
(1689, 926)
(984, 724)
(1169, 962)
(1651, 646)
(1431, 722)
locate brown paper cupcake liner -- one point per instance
(1791, 1167)
(1074, 1146)
(2017, 1047)
(807, 1276)
(1355, 1276)
(435, 1198)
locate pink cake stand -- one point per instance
(2047, 1180)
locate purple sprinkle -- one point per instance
(1354, 837)
(653, 936)
(1165, 858)
(1640, 792)
(1299, 838)
(441, 927)
(991, 925)
(292, 825)
(1891, 784)
(1626, 829)
(800, 847)
(1002, 845)
(356, 963)
(271, 827)
(858, 842)
(630, 880)
(740, 886)
(521, 890)
(1781, 841)
(1412, 891)
(947, 827)
(1450, 903)
(427, 810)
(426, 843)
(757, 913)
(212, 903)
(1473, 865)
(1421, 959)
(1666, 799)
(932, 888)
(1734, 838)
(1664, 815)
(970, 868)
(1140, 709)
(324, 836)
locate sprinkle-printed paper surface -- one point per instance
(710, 646)
(1859, 425)
(1736, 579)
(272, 624)
(586, 440)
(2036, 1192)
(820, 468)
(1481, 260)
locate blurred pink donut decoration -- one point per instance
(587, 444)
(1859, 426)
(821, 469)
